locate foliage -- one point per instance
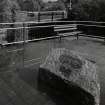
(52, 6)
(81, 9)
(39, 5)
(31, 5)
(92, 10)
(85, 9)
(8, 10)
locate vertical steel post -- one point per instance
(38, 16)
(52, 16)
(23, 42)
(62, 15)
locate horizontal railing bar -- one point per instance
(31, 27)
(70, 33)
(33, 40)
(19, 42)
(42, 11)
(40, 39)
(53, 22)
(35, 27)
(24, 27)
(64, 26)
(48, 26)
(86, 35)
(65, 29)
(91, 25)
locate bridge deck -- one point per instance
(20, 86)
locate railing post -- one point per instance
(23, 43)
(38, 16)
(62, 15)
(77, 36)
(52, 16)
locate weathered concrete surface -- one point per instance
(74, 70)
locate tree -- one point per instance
(31, 5)
(68, 7)
(85, 9)
(92, 10)
(52, 6)
(38, 3)
(8, 9)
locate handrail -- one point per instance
(42, 11)
(53, 25)
(53, 21)
(92, 25)
(26, 27)
(33, 40)
(42, 22)
(25, 41)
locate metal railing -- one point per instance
(15, 53)
(19, 53)
(34, 16)
(46, 15)
(21, 28)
